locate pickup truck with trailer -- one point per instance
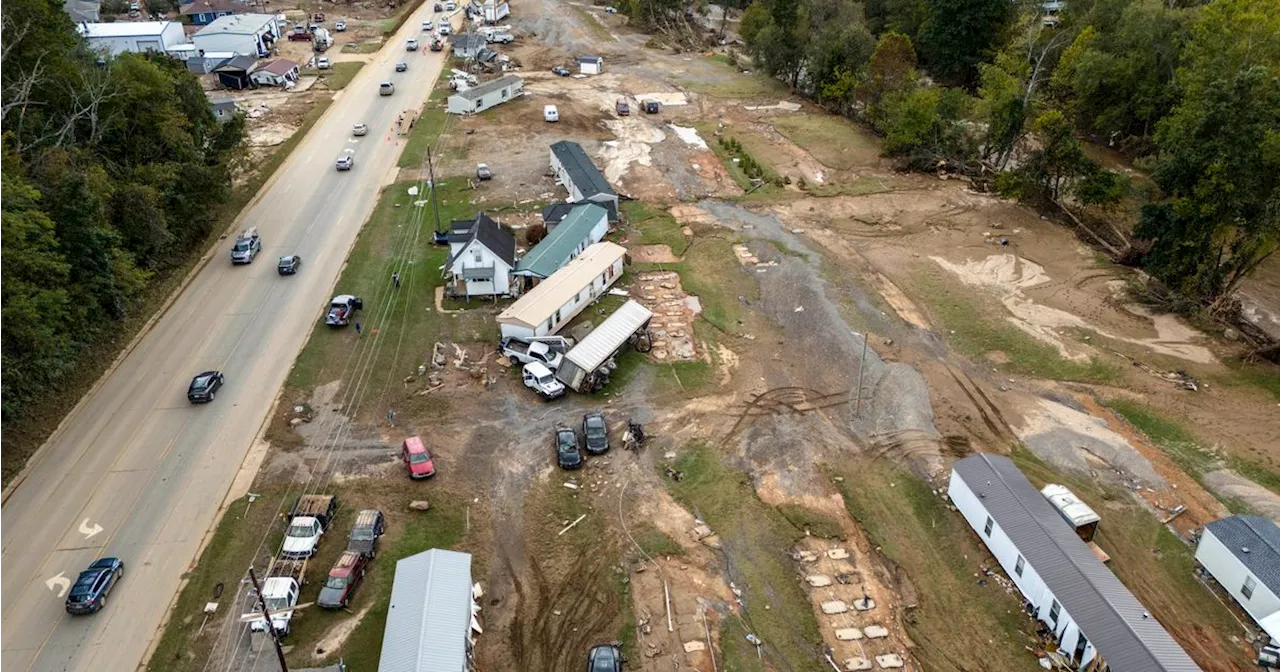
(546, 350)
(308, 521)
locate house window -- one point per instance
(475, 256)
(986, 529)
(1249, 585)
(504, 94)
(478, 103)
(1053, 613)
(1017, 567)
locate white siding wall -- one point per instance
(171, 36)
(240, 44)
(1231, 573)
(461, 105)
(1028, 582)
(571, 308)
(501, 283)
(562, 176)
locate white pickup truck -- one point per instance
(546, 350)
(310, 516)
(281, 595)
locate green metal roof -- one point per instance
(553, 251)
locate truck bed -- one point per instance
(318, 506)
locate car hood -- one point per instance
(279, 621)
(571, 458)
(329, 597)
(299, 544)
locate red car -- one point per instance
(343, 579)
(417, 459)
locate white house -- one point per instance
(545, 309)
(1242, 553)
(132, 36)
(590, 65)
(574, 169)
(489, 94)
(246, 34)
(1095, 619)
(276, 72)
(481, 257)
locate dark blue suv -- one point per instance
(89, 593)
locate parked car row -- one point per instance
(571, 449)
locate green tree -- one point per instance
(753, 20)
(892, 68)
(958, 35)
(1219, 161)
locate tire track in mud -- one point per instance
(786, 401)
(556, 625)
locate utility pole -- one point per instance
(435, 201)
(857, 411)
(266, 614)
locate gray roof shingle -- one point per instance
(1118, 625)
(584, 174)
(488, 232)
(1261, 537)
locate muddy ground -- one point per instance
(850, 319)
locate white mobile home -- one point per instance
(431, 621)
(574, 169)
(1242, 553)
(489, 94)
(583, 367)
(1099, 624)
(245, 34)
(132, 36)
(558, 299)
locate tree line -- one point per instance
(113, 169)
(1006, 91)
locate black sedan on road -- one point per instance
(596, 433)
(289, 265)
(89, 593)
(204, 386)
(568, 454)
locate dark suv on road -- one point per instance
(89, 593)
(364, 534)
(204, 386)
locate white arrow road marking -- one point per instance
(59, 583)
(87, 530)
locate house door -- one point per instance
(1078, 654)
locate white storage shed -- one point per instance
(545, 309)
(1242, 553)
(132, 36)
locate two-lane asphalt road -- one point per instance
(137, 472)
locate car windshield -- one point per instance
(286, 261)
(418, 458)
(567, 442)
(301, 530)
(362, 533)
(338, 582)
(200, 383)
(277, 603)
(595, 426)
(242, 245)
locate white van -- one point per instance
(426, 26)
(445, 27)
(550, 113)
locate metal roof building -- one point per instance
(429, 619)
(581, 362)
(1243, 555)
(574, 169)
(1091, 613)
(558, 299)
(584, 225)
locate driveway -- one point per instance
(138, 473)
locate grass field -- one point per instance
(430, 124)
(938, 557)
(975, 326)
(755, 538)
(834, 141)
(341, 74)
(656, 226)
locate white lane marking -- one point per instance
(59, 584)
(89, 530)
